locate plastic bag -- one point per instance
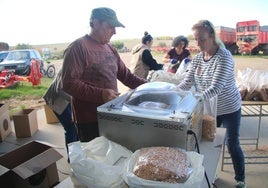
(209, 119)
(242, 79)
(99, 163)
(172, 68)
(263, 87)
(195, 179)
(253, 85)
(164, 76)
(161, 164)
(183, 67)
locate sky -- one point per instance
(36, 22)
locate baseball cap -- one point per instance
(106, 14)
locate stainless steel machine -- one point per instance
(154, 114)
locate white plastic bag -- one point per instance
(183, 67)
(99, 163)
(164, 76)
(194, 180)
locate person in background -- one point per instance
(177, 53)
(142, 60)
(212, 72)
(59, 102)
(91, 67)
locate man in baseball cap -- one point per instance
(106, 14)
(91, 68)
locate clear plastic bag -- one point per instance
(195, 178)
(263, 86)
(209, 119)
(161, 164)
(242, 80)
(253, 84)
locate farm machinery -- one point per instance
(8, 78)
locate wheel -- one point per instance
(26, 71)
(51, 71)
(254, 51)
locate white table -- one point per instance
(210, 150)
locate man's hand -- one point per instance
(109, 94)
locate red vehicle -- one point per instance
(8, 78)
(228, 37)
(251, 38)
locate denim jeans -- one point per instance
(69, 127)
(232, 124)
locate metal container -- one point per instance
(155, 114)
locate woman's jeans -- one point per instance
(232, 124)
(69, 127)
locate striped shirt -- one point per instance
(215, 78)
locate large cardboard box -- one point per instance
(32, 165)
(25, 123)
(50, 116)
(5, 126)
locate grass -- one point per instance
(24, 89)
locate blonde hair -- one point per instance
(209, 27)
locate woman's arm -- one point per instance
(148, 59)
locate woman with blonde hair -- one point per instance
(212, 73)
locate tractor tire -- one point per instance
(27, 71)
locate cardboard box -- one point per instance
(50, 116)
(5, 126)
(25, 123)
(32, 165)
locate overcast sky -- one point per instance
(59, 21)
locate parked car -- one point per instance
(19, 61)
(3, 55)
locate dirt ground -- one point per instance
(241, 63)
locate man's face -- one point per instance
(104, 31)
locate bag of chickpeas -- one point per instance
(209, 119)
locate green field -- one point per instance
(24, 89)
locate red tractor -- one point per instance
(228, 37)
(9, 79)
(251, 37)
